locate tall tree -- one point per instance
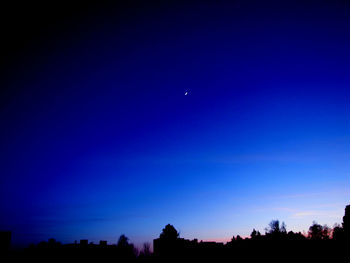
(169, 232)
(346, 222)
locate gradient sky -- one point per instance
(97, 138)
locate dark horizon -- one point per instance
(216, 117)
(276, 244)
(338, 232)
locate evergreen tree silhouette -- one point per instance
(169, 232)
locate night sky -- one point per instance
(98, 139)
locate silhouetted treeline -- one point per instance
(319, 244)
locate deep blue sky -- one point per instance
(98, 138)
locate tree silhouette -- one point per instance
(326, 232)
(169, 232)
(123, 241)
(295, 236)
(346, 222)
(318, 232)
(283, 228)
(338, 232)
(275, 231)
(273, 228)
(126, 250)
(238, 238)
(146, 250)
(255, 234)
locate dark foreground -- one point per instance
(320, 244)
(240, 251)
